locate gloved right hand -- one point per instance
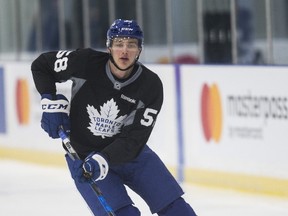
(95, 167)
(55, 114)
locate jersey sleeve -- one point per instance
(58, 66)
(138, 126)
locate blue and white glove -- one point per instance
(95, 167)
(55, 114)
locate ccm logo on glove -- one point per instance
(54, 106)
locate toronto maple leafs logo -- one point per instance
(105, 123)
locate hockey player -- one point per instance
(114, 105)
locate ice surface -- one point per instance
(34, 190)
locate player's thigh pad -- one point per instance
(148, 176)
(113, 191)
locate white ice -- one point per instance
(34, 190)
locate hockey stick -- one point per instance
(73, 155)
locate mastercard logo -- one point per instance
(22, 101)
(211, 112)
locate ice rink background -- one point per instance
(35, 190)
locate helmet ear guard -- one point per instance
(124, 28)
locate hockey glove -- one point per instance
(55, 114)
(95, 167)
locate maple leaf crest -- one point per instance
(105, 123)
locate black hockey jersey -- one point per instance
(114, 117)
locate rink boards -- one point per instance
(220, 125)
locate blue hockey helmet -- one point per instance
(125, 28)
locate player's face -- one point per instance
(125, 51)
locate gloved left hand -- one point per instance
(95, 167)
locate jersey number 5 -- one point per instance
(148, 117)
(61, 62)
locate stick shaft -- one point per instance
(73, 155)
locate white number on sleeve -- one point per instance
(62, 61)
(148, 118)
